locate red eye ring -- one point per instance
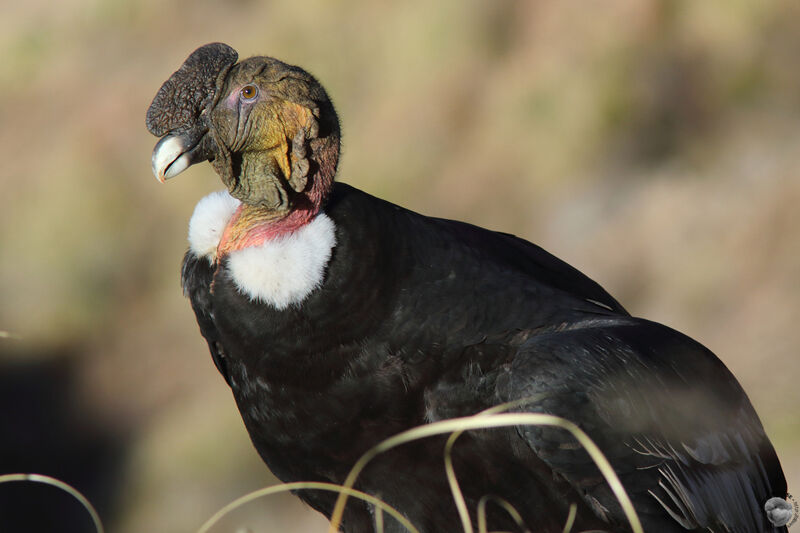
(248, 92)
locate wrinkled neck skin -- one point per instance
(253, 225)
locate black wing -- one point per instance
(536, 262)
(197, 275)
(437, 245)
(672, 420)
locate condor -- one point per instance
(339, 319)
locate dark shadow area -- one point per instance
(43, 430)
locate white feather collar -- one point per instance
(279, 272)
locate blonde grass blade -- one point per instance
(513, 513)
(286, 487)
(486, 421)
(573, 511)
(458, 497)
(57, 483)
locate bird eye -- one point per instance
(249, 92)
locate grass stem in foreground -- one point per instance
(53, 482)
(485, 421)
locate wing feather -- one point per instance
(673, 421)
(197, 276)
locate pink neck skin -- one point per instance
(259, 232)
(253, 226)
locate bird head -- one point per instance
(268, 128)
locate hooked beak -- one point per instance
(176, 152)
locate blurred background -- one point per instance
(653, 144)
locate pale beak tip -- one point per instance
(171, 156)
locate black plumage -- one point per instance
(418, 319)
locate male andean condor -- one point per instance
(339, 319)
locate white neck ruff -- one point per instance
(279, 272)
